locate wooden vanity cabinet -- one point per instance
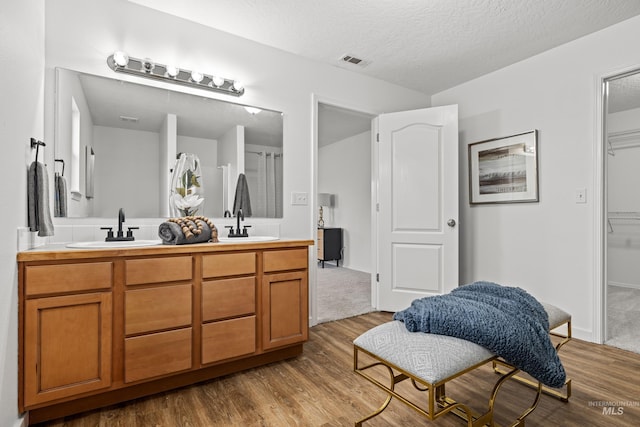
(101, 327)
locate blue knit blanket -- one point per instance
(506, 320)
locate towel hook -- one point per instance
(36, 144)
(61, 161)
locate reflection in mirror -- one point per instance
(135, 133)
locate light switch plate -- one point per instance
(299, 198)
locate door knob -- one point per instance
(451, 223)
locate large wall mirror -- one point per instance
(117, 141)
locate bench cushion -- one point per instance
(432, 358)
(557, 316)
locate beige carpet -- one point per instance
(623, 318)
(342, 293)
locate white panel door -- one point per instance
(417, 205)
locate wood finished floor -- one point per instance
(319, 388)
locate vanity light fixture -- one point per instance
(120, 62)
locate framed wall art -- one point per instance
(504, 170)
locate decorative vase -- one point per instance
(186, 196)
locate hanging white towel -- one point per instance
(39, 215)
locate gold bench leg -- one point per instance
(376, 413)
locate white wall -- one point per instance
(546, 248)
(21, 117)
(273, 79)
(119, 179)
(623, 268)
(344, 170)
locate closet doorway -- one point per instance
(621, 128)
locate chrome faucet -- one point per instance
(120, 236)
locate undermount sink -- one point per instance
(116, 244)
(250, 239)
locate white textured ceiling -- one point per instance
(426, 45)
(624, 93)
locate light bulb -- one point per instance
(147, 65)
(197, 76)
(217, 81)
(120, 58)
(237, 85)
(172, 71)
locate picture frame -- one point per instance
(504, 170)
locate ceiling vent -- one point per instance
(350, 59)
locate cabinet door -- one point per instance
(67, 346)
(285, 318)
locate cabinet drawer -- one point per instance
(228, 338)
(228, 298)
(48, 279)
(155, 270)
(158, 354)
(153, 309)
(291, 259)
(220, 265)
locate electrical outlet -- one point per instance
(581, 195)
(300, 199)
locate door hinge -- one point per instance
(377, 207)
(377, 277)
(377, 137)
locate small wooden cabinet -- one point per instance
(98, 327)
(329, 245)
(66, 337)
(284, 298)
(68, 346)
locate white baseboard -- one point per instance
(624, 285)
(583, 334)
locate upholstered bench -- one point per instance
(430, 361)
